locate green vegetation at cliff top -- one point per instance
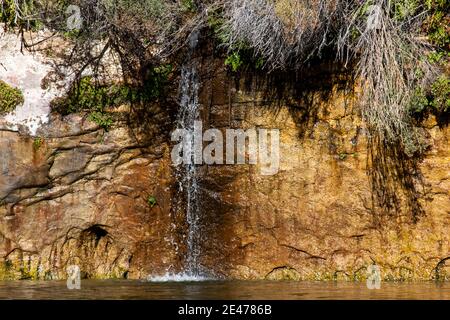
(384, 44)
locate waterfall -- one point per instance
(187, 174)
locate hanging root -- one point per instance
(391, 64)
(383, 40)
(283, 32)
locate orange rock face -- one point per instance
(339, 202)
(80, 197)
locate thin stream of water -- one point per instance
(187, 174)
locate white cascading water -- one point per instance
(187, 174)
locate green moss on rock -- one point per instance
(10, 97)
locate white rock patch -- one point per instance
(25, 71)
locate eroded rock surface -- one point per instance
(340, 200)
(80, 195)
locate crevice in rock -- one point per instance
(96, 232)
(311, 256)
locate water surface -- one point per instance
(130, 289)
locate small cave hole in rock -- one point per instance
(95, 232)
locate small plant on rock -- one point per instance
(37, 143)
(10, 98)
(151, 200)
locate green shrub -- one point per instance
(148, 9)
(215, 21)
(7, 12)
(243, 58)
(437, 99)
(188, 5)
(102, 119)
(437, 57)
(437, 22)
(234, 61)
(440, 91)
(25, 17)
(88, 95)
(155, 84)
(84, 95)
(419, 102)
(10, 98)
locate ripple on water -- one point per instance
(177, 277)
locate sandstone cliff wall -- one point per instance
(78, 195)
